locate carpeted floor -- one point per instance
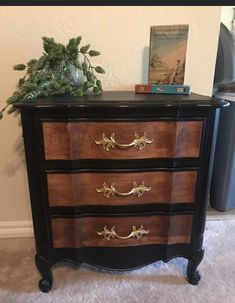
(158, 282)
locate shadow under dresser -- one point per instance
(118, 180)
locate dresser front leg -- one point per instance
(193, 274)
(44, 267)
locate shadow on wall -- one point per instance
(144, 76)
(10, 169)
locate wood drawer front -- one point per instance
(159, 187)
(80, 232)
(76, 140)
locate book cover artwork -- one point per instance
(167, 54)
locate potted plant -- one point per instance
(61, 70)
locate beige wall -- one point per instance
(122, 36)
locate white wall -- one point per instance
(121, 34)
(227, 16)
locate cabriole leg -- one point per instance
(192, 273)
(44, 267)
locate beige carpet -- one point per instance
(158, 282)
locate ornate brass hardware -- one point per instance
(136, 233)
(111, 191)
(138, 142)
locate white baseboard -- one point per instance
(16, 229)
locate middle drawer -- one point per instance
(121, 188)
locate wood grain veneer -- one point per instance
(80, 232)
(79, 189)
(76, 140)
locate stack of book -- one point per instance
(162, 89)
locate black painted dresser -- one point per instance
(119, 180)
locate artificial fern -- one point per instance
(51, 74)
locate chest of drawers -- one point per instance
(120, 180)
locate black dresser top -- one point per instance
(123, 99)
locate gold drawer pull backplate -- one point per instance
(136, 233)
(107, 143)
(111, 191)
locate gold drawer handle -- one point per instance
(136, 233)
(107, 143)
(111, 191)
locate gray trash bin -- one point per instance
(222, 190)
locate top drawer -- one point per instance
(121, 140)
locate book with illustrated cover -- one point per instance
(162, 89)
(167, 54)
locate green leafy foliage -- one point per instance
(99, 70)
(19, 67)
(51, 74)
(84, 49)
(93, 53)
(11, 110)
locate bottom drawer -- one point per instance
(118, 231)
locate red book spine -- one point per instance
(143, 88)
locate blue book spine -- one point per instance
(170, 89)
